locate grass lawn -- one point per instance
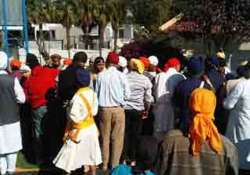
(23, 164)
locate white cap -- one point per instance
(3, 60)
(153, 60)
(122, 61)
(25, 68)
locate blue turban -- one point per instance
(242, 71)
(196, 65)
(214, 61)
(83, 77)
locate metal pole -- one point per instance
(25, 26)
(5, 24)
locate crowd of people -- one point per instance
(126, 115)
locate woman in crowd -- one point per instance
(98, 66)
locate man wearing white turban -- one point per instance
(123, 63)
(151, 72)
(10, 132)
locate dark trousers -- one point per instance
(38, 117)
(133, 131)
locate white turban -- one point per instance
(3, 60)
(153, 60)
(122, 61)
(25, 68)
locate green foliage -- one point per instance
(150, 13)
(221, 21)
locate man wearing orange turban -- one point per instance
(201, 151)
(15, 65)
(145, 61)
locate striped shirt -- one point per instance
(141, 91)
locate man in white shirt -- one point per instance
(112, 90)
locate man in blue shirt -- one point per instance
(112, 89)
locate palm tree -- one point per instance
(40, 12)
(102, 18)
(86, 10)
(118, 11)
(67, 17)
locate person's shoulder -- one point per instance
(101, 75)
(241, 85)
(174, 138)
(180, 75)
(183, 82)
(244, 82)
(173, 135)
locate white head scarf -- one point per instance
(3, 60)
(122, 61)
(153, 60)
(25, 68)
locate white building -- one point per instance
(55, 36)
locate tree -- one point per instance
(218, 22)
(150, 14)
(102, 18)
(86, 11)
(38, 13)
(66, 16)
(118, 11)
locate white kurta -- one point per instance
(238, 129)
(165, 84)
(10, 134)
(87, 152)
(232, 83)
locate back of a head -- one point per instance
(122, 62)
(212, 62)
(172, 62)
(247, 76)
(136, 65)
(196, 66)
(31, 60)
(83, 78)
(242, 71)
(80, 57)
(15, 64)
(112, 58)
(202, 104)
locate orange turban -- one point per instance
(67, 61)
(15, 63)
(172, 62)
(145, 61)
(202, 104)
